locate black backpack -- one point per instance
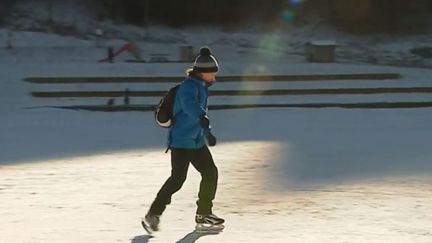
(164, 110)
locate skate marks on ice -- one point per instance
(345, 145)
(90, 191)
(331, 145)
(364, 206)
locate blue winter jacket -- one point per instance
(189, 107)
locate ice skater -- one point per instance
(187, 141)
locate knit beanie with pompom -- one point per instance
(205, 62)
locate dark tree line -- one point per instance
(382, 15)
(189, 12)
(351, 15)
(5, 8)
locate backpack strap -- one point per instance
(168, 147)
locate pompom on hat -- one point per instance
(205, 62)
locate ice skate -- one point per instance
(209, 222)
(151, 223)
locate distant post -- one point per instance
(9, 39)
(110, 54)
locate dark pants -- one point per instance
(203, 162)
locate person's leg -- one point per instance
(180, 159)
(203, 162)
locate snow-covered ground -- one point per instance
(286, 175)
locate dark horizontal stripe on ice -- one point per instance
(57, 94)
(372, 105)
(243, 78)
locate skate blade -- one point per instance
(209, 228)
(146, 227)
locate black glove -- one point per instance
(211, 139)
(205, 122)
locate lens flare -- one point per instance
(271, 45)
(295, 3)
(260, 69)
(287, 15)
